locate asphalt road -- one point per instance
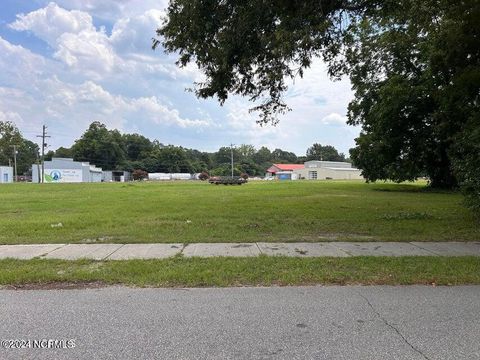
(349, 322)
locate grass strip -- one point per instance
(260, 271)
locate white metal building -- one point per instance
(321, 170)
(116, 176)
(65, 170)
(169, 176)
(6, 174)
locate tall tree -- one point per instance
(414, 67)
(282, 156)
(9, 135)
(27, 151)
(416, 96)
(100, 146)
(246, 152)
(325, 153)
(63, 152)
(136, 146)
(223, 156)
(263, 155)
(172, 159)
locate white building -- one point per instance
(6, 174)
(169, 176)
(116, 176)
(326, 170)
(64, 170)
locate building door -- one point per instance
(5, 178)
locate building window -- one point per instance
(312, 175)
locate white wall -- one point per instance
(6, 174)
(335, 174)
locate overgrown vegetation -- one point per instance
(196, 211)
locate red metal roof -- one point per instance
(284, 167)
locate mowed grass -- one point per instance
(261, 271)
(187, 212)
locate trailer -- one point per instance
(227, 180)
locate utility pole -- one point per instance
(44, 145)
(38, 169)
(231, 156)
(15, 160)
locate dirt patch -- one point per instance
(59, 285)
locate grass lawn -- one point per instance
(258, 211)
(261, 271)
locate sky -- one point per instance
(68, 63)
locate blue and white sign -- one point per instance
(63, 175)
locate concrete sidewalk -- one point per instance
(161, 251)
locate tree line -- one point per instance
(112, 150)
(27, 151)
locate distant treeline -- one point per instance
(111, 150)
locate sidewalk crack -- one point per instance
(48, 252)
(180, 253)
(339, 248)
(430, 251)
(393, 327)
(113, 252)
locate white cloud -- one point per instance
(104, 9)
(94, 54)
(11, 116)
(18, 65)
(115, 77)
(87, 51)
(158, 113)
(112, 10)
(334, 119)
(89, 100)
(52, 21)
(72, 35)
(134, 34)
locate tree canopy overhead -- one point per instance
(251, 47)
